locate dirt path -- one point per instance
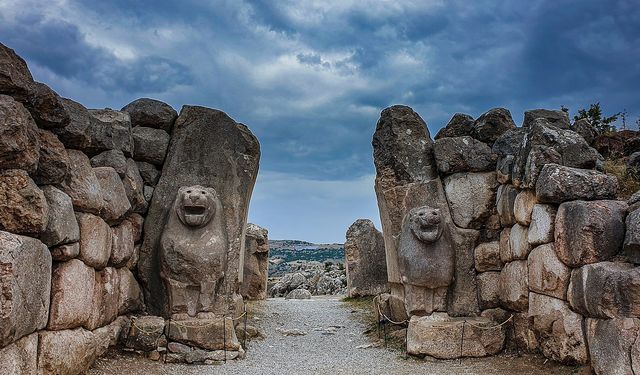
(330, 346)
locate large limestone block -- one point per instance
(472, 198)
(82, 184)
(558, 184)
(117, 130)
(25, 285)
(106, 298)
(589, 232)
(150, 144)
(514, 286)
(365, 260)
(558, 329)
(123, 242)
(63, 253)
(460, 125)
(95, 240)
(557, 118)
(54, 163)
(19, 142)
(439, 336)
(72, 290)
(631, 245)
(489, 290)
(21, 357)
(614, 345)
(134, 187)
(519, 243)
(109, 335)
(523, 206)
(605, 290)
(23, 206)
(256, 263)
(492, 124)
(111, 158)
(542, 225)
(145, 333)
(62, 226)
(463, 154)
(506, 198)
(487, 257)
(509, 144)
(116, 204)
(211, 150)
(547, 274)
(130, 296)
(68, 352)
(211, 334)
(151, 113)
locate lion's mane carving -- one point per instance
(193, 251)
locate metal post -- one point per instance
(406, 344)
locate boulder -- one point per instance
(439, 335)
(519, 337)
(519, 246)
(23, 206)
(614, 345)
(21, 357)
(298, 294)
(117, 130)
(460, 125)
(150, 144)
(365, 260)
(210, 334)
(634, 201)
(557, 118)
(463, 154)
(209, 150)
(487, 257)
(15, 78)
(586, 130)
(110, 334)
(145, 333)
(72, 290)
(489, 290)
(111, 158)
(134, 187)
(46, 106)
(505, 202)
(78, 133)
(63, 253)
(54, 163)
(605, 290)
(19, 142)
(62, 226)
(541, 228)
(506, 255)
(509, 143)
(513, 287)
(123, 242)
(81, 184)
(523, 206)
(543, 144)
(547, 274)
(105, 302)
(151, 113)
(631, 246)
(256, 263)
(492, 124)
(471, 198)
(287, 283)
(558, 184)
(504, 169)
(150, 174)
(589, 231)
(95, 240)
(67, 352)
(130, 295)
(148, 193)
(116, 204)
(25, 282)
(558, 329)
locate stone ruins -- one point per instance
(129, 228)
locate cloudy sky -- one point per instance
(311, 77)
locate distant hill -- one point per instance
(282, 252)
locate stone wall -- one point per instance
(554, 250)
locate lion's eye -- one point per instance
(188, 191)
(202, 192)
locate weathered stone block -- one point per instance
(519, 243)
(95, 240)
(150, 174)
(506, 198)
(21, 357)
(614, 345)
(365, 260)
(81, 184)
(547, 274)
(62, 226)
(631, 245)
(506, 255)
(558, 329)
(463, 154)
(63, 253)
(123, 242)
(204, 333)
(130, 296)
(460, 125)
(111, 158)
(589, 232)
(134, 187)
(514, 288)
(23, 206)
(68, 352)
(72, 290)
(54, 163)
(487, 257)
(106, 295)
(558, 184)
(19, 142)
(557, 118)
(523, 206)
(471, 197)
(492, 124)
(145, 333)
(25, 285)
(116, 204)
(542, 225)
(256, 263)
(489, 290)
(151, 113)
(116, 134)
(150, 144)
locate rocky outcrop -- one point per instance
(256, 263)
(365, 261)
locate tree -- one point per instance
(594, 115)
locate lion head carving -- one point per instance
(196, 205)
(425, 223)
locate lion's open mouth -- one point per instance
(194, 210)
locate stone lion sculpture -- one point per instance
(426, 261)
(193, 252)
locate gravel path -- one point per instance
(333, 334)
